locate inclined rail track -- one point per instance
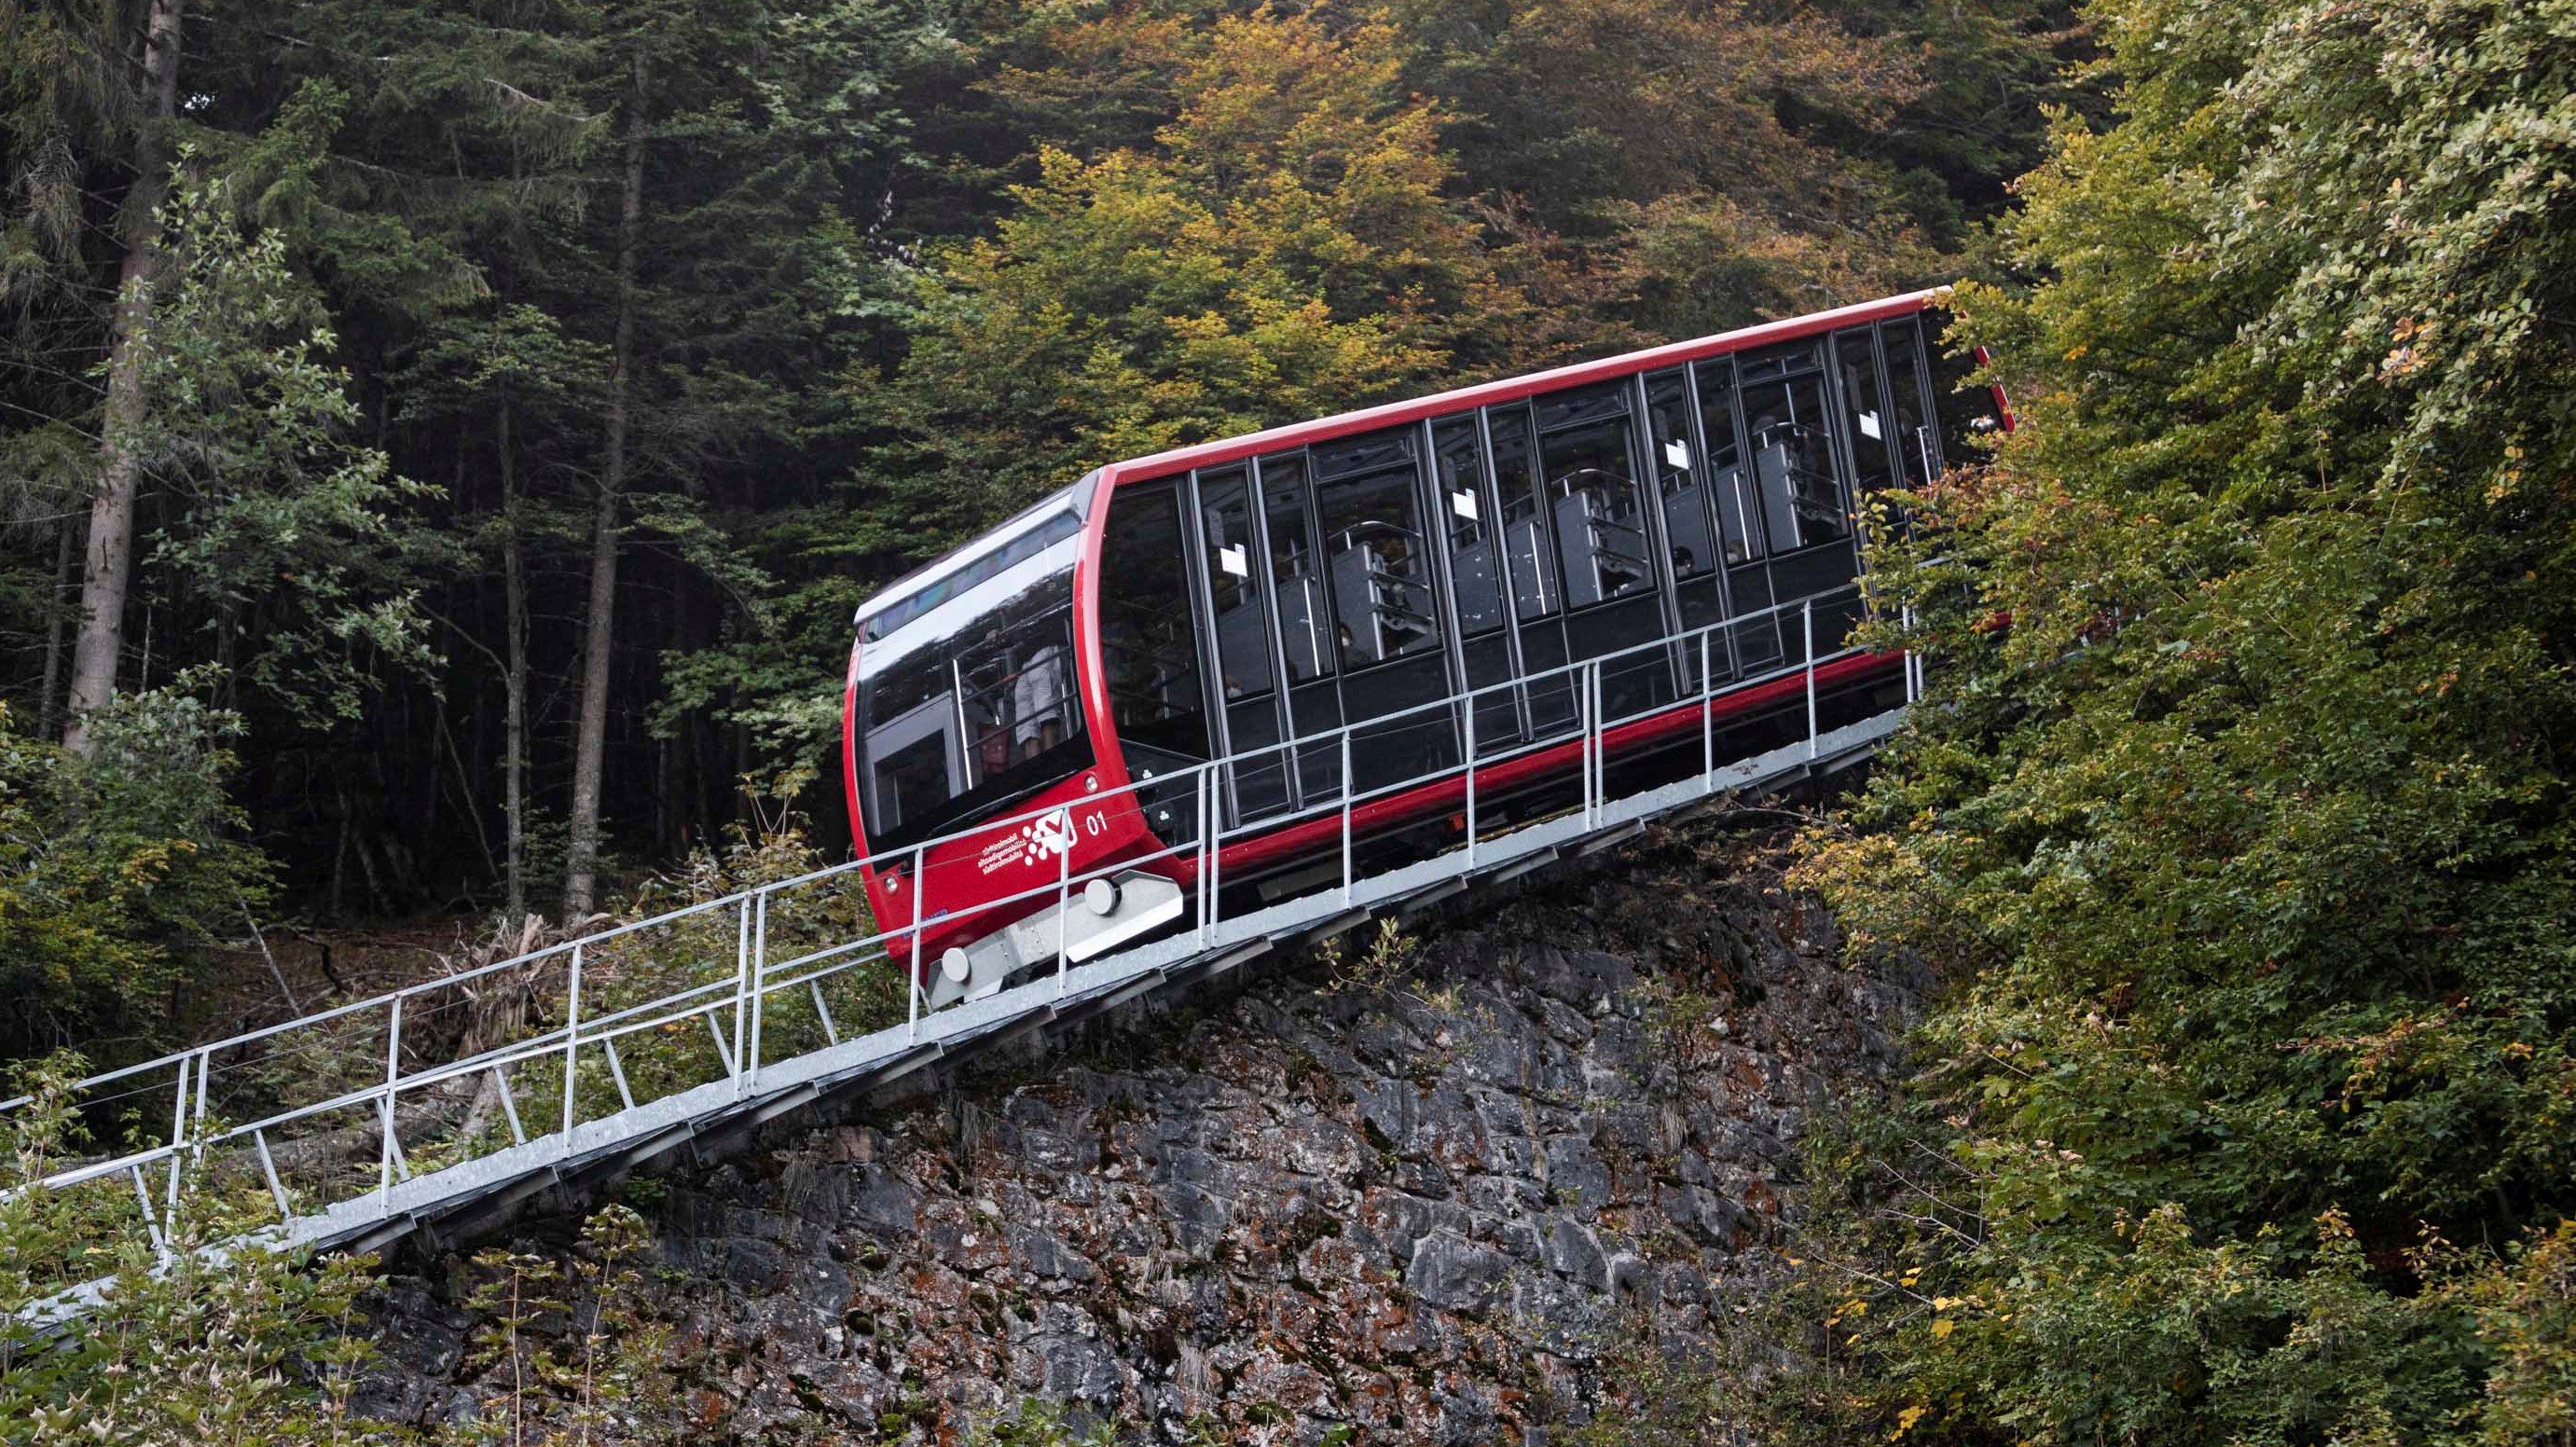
(756, 1070)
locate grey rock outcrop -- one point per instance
(1427, 1209)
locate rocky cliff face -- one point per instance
(1424, 1202)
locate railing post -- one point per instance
(912, 1028)
(178, 1138)
(741, 978)
(1807, 622)
(197, 1133)
(616, 1069)
(1583, 735)
(151, 1219)
(1471, 777)
(385, 1106)
(1199, 877)
(572, 1034)
(1216, 847)
(759, 982)
(1905, 620)
(1346, 816)
(1593, 736)
(509, 1105)
(268, 1168)
(1707, 715)
(1905, 656)
(823, 1012)
(1064, 897)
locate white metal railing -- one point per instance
(737, 1008)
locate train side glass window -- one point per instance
(1967, 411)
(1793, 462)
(1918, 449)
(1680, 476)
(959, 580)
(1873, 433)
(1014, 681)
(959, 723)
(914, 767)
(1242, 624)
(1778, 361)
(1379, 560)
(1591, 490)
(913, 780)
(1475, 564)
(1560, 410)
(1146, 639)
(1305, 623)
(1739, 520)
(1527, 555)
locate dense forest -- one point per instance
(444, 442)
(453, 436)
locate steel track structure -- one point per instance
(580, 1058)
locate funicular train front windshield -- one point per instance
(966, 701)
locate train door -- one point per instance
(1806, 510)
(1604, 541)
(1238, 610)
(1151, 651)
(1528, 543)
(1385, 622)
(1463, 500)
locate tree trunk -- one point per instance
(590, 743)
(514, 686)
(65, 536)
(108, 568)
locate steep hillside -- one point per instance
(1433, 1198)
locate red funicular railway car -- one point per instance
(1604, 566)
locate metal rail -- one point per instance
(776, 1040)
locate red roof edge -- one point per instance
(1512, 389)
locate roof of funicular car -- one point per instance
(984, 542)
(1512, 389)
(1204, 454)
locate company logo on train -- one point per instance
(1317, 639)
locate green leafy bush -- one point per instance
(2246, 849)
(111, 868)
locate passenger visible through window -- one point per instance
(1015, 687)
(964, 723)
